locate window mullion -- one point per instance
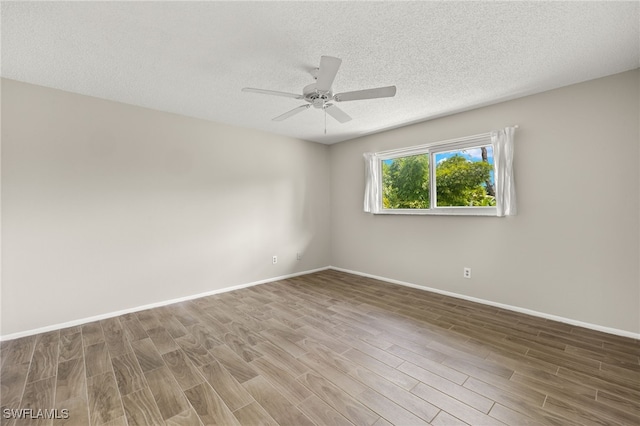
(432, 181)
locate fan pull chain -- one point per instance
(325, 120)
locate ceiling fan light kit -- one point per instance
(319, 94)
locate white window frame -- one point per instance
(432, 149)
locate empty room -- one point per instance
(320, 213)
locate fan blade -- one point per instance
(327, 73)
(292, 112)
(272, 92)
(380, 92)
(337, 113)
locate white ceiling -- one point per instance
(192, 58)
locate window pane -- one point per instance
(405, 182)
(465, 177)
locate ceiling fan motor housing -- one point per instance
(316, 97)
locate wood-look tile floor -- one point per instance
(327, 349)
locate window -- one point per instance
(465, 178)
(449, 177)
(405, 182)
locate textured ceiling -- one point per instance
(192, 58)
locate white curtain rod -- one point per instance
(430, 144)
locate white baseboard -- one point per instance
(596, 327)
(151, 305)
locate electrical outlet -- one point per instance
(298, 256)
(466, 273)
(274, 260)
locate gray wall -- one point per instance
(107, 206)
(573, 249)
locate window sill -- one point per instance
(443, 211)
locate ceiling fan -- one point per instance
(319, 94)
